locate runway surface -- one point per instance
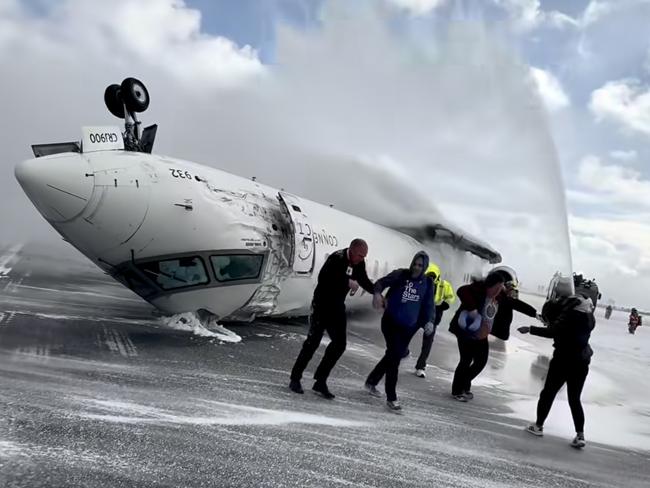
(98, 391)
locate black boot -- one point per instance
(296, 387)
(321, 387)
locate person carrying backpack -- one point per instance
(570, 320)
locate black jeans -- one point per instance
(397, 342)
(473, 358)
(334, 322)
(573, 373)
(427, 341)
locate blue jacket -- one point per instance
(409, 300)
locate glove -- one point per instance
(524, 330)
(429, 328)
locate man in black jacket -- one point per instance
(344, 271)
(570, 322)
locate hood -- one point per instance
(433, 269)
(425, 260)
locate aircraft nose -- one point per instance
(60, 186)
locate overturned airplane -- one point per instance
(187, 237)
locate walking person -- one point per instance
(634, 321)
(495, 318)
(509, 302)
(344, 271)
(444, 298)
(408, 306)
(472, 324)
(570, 328)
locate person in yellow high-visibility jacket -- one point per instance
(443, 298)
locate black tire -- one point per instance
(135, 95)
(113, 100)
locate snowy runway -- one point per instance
(97, 391)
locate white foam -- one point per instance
(10, 449)
(6, 258)
(190, 322)
(613, 425)
(205, 412)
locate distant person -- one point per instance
(608, 312)
(444, 297)
(408, 306)
(482, 316)
(634, 321)
(344, 271)
(569, 325)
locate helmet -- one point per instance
(634, 310)
(508, 273)
(560, 287)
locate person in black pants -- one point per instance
(408, 307)
(479, 304)
(444, 297)
(344, 271)
(571, 329)
(496, 318)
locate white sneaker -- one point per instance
(535, 430)
(578, 441)
(420, 373)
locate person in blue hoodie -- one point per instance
(408, 306)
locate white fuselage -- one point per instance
(188, 237)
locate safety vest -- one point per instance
(444, 290)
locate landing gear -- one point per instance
(124, 101)
(135, 95)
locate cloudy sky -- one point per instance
(495, 115)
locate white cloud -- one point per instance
(550, 89)
(619, 184)
(596, 11)
(626, 102)
(527, 15)
(623, 155)
(418, 7)
(165, 34)
(613, 241)
(617, 253)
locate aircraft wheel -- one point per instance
(135, 95)
(113, 100)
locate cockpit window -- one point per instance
(135, 283)
(176, 273)
(231, 267)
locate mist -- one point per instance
(353, 113)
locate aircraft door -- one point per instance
(302, 249)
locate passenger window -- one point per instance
(176, 273)
(233, 267)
